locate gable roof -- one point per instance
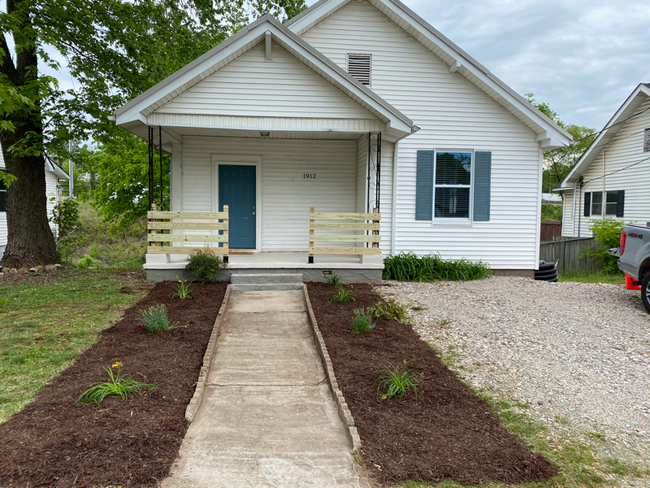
(137, 110)
(549, 134)
(611, 128)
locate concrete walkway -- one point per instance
(268, 418)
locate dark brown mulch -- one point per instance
(57, 442)
(446, 431)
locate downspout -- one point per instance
(573, 210)
(393, 214)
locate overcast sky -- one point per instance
(582, 57)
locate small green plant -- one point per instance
(408, 266)
(155, 319)
(607, 232)
(206, 265)
(343, 295)
(418, 308)
(65, 215)
(334, 280)
(117, 385)
(86, 262)
(397, 382)
(596, 435)
(362, 321)
(389, 310)
(182, 290)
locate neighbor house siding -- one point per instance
(286, 194)
(614, 161)
(52, 196)
(452, 114)
(250, 86)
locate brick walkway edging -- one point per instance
(195, 402)
(342, 406)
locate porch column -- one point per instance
(176, 178)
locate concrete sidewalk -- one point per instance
(268, 417)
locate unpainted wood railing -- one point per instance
(161, 224)
(343, 222)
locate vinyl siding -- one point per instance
(286, 195)
(452, 114)
(51, 195)
(625, 149)
(250, 86)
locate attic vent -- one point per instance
(360, 68)
(646, 141)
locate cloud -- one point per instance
(582, 57)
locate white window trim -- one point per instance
(440, 221)
(602, 205)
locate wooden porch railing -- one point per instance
(370, 222)
(161, 225)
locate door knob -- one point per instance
(253, 213)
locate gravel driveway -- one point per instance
(578, 353)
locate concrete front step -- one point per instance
(265, 278)
(266, 287)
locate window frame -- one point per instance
(614, 203)
(454, 220)
(591, 209)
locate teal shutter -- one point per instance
(482, 184)
(424, 186)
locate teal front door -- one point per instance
(237, 189)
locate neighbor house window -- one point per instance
(611, 205)
(597, 203)
(3, 197)
(453, 183)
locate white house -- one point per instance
(352, 105)
(53, 173)
(612, 178)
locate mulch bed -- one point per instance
(447, 431)
(57, 442)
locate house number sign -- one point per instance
(310, 176)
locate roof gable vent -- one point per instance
(646, 141)
(360, 68)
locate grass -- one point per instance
(579, 463)
(612, 279)
(45, 327)
(409, 267)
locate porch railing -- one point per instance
(161, 238)
(341, 221)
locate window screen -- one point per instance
(452, 184)
(612, 203)
(597, 203)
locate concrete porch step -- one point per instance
(266, 286)
(265, 278)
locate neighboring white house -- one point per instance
(312, 106)
(53, 174)
(612, 178)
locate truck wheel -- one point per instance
(645, 292)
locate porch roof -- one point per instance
(176, 103)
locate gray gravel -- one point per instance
(578, 353)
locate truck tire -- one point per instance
(645, 292)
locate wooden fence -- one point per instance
(566, 253)
(161, 239)
(369, 222)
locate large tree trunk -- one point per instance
(30, 239)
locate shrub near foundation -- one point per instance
(206, 265)
(408, 266)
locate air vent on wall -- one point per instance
(646, 141)
(360, 68)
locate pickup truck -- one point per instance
(634, 258)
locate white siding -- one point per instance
(253, 87)
(286, 195)
(452, 114)
(52, 196)
(625, 149)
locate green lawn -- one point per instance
(46, 324)
(612, 279)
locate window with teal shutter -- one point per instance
(424, 186)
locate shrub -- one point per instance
(607, 232)
(334, 280)
(155, 319)
(409, 267)
(551, 211)
(182, 290)
(362, 322)
(397, 382)
(117, 385)
(65, 215)
(206, 265)
(343, 295)
(390, 310)
(87, 262)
